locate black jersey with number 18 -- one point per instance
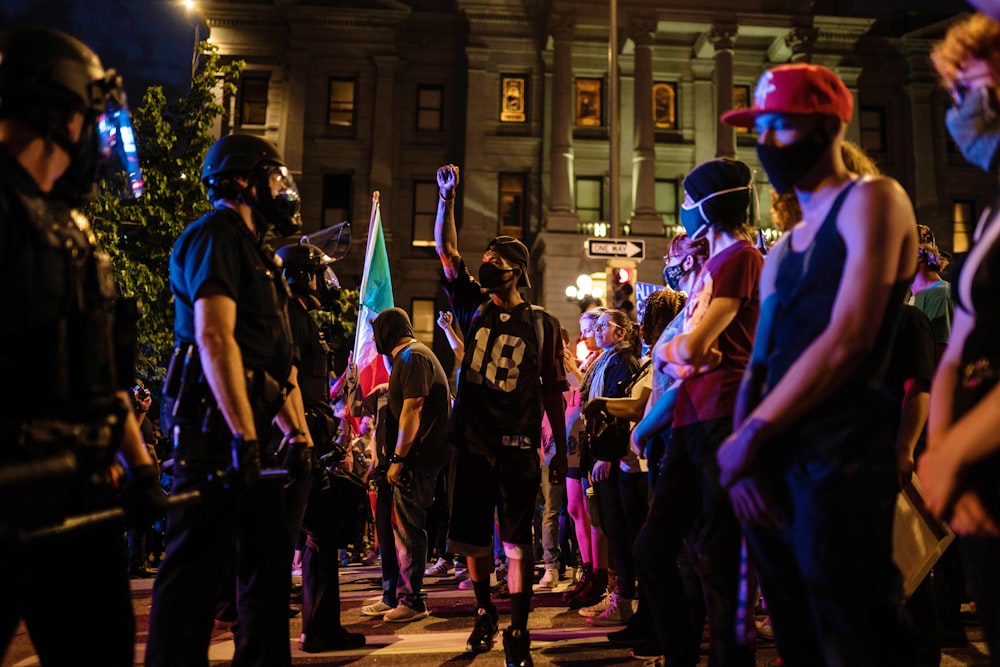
(505, 374)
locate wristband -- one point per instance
(443, 198)
(396, 458)
(295, 433)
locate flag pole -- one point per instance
(369, 249)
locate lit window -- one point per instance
(341, 110)
(589, 102)
(425, 203)
(962, 223)
(422, 317)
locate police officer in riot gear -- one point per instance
(314, 285)
(232, 376)
(68, 410)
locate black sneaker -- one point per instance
(517, 648)
(485, 631)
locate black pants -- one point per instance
(833, 591)
(687, 498)
(622, 499)
(73, 595)
(201, 542)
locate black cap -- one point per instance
(514, 252)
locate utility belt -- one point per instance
(189, 399)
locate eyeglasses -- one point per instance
(601, 327)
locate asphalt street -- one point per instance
(560, 636)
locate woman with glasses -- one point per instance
(593, 577)
(620, 483)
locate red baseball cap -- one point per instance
(796, 88)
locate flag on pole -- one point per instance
(375, 296)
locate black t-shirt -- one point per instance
(416, 373)
(219, 248)
(912, 352)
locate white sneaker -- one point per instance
(465, 584)
(618, 612)
(550, 579)
(377, 609)
(596, 609)
(439, 569)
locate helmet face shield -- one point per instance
(117, 145)
(328, 279)
(279, 199)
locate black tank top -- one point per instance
(806, 287)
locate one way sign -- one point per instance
(604, 248)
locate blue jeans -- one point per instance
(386, 540)
(410, 531)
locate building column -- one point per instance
(702, 69)
(560, 215)
(291, 131)
(644, 221)
(801, 40)
(724, 40)
(383, 133)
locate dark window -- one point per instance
(253, 100)
(512, 197)
(341, 110)
(589, 201)
(336, 198)
(430, 108)
(871, 122)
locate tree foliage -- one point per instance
(139, 234)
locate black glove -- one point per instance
(246, 461)
(142, 497)
(298, 460)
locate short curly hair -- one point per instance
(972, 36)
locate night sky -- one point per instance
(149, 42)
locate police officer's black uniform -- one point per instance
(321, 625)
(59, 357)
(234, 516)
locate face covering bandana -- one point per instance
(693, 217)
(975, 127)
(787, 165)
(673, 275)
(493, 277)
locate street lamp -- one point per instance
(192, 11)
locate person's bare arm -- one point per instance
(409, 427)
(222, 362)
(694, 347)
(445, 233)
(878, 227)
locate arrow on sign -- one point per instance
(615, 248)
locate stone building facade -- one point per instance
(374, 95)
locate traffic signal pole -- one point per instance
(613, 140)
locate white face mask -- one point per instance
(693, 217)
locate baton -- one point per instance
(100, 517)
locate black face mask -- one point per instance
(787, 165)
(673, 275)
(493, 277)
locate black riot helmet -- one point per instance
(299, 263)
(276, 200)
(46, 73)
